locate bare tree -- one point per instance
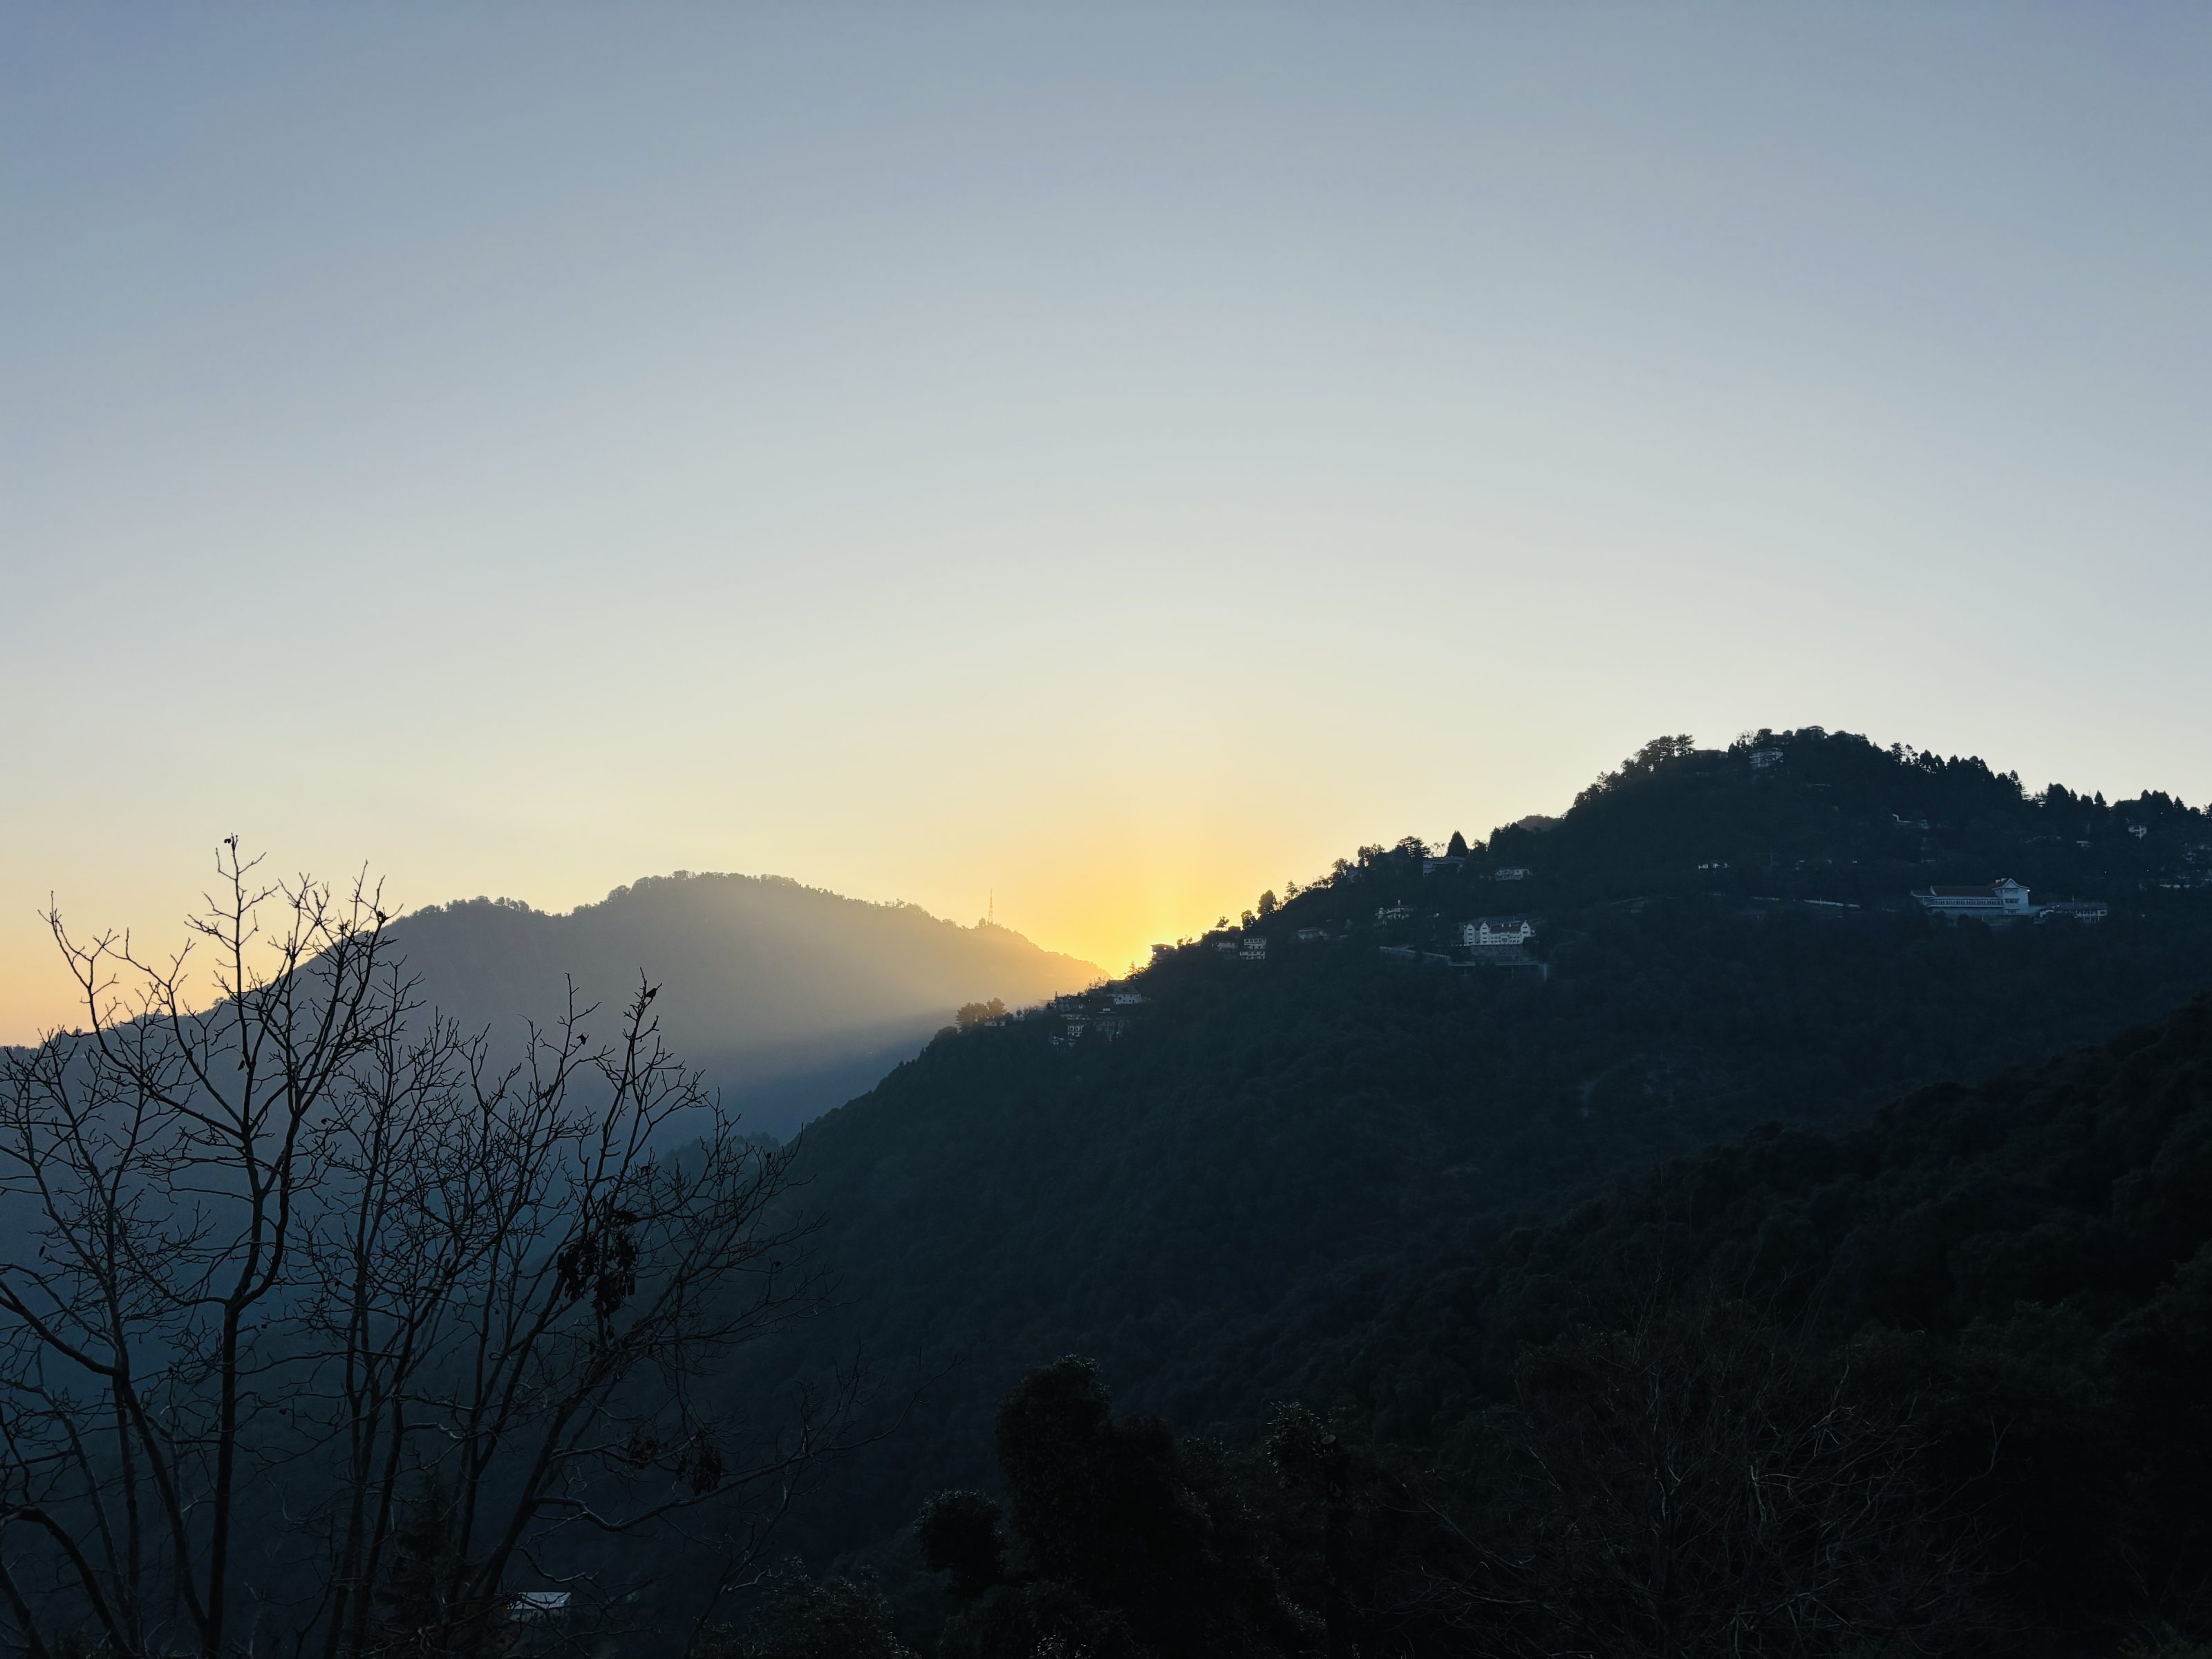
(319, 1329)
(1699, 1480)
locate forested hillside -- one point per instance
(1208, 1189)
(1309, 1292)
(2029, 1262)
(1936, 1386)
(791, 998)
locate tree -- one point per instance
(1308, 1457)
(795, 1617)
(1266, 905)
(1457, 848)
(298, 1281)
(1699, 1479)
(1127, 1538)
(1644, 762)
(957, 1532)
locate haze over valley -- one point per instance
(791, 999)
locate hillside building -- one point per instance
(1511, 873)
(2075, 910)
(2004, 900)
(1497, 932)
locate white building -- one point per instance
(1255, 948)
(1401, 911)
(1511, 873)
(2005, 900)
(1762, 759)
(2075, 910)
(1497, 932)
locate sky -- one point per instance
(1093, 462)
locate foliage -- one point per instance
(2164, 1645)
(1690, 1478)
(1934, 1386)
(1645, 763)
(319, 1328)
(1700, 1481)
(958, 1534)
(794, 1617)
(2029, 1264)
(1126, 1537)
(1210, 1203)
(1925, 1377)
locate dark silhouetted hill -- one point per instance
(1209, 1189)
(2030, 1261)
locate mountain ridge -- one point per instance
(791, 998)
(1205, 1189)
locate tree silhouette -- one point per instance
(320, 1312)
(1124, 1538)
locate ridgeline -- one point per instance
(1212, 1190)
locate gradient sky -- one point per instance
(1117, 458)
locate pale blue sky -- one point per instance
(1121, 457)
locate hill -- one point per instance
(1932, 1386)
(1208, 1188)
(2030, 1261)
(791, 998)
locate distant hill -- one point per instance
(792, 998)
(1207, 1188)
